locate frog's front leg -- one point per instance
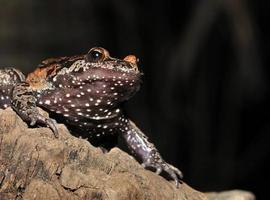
(24, 103)
(140, 146)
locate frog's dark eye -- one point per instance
(95, 55)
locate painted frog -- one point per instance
(86, 93)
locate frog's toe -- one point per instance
(51, 123)
(172, 171)
(37, 117)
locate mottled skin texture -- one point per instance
(86, 93)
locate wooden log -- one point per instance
(36, 165)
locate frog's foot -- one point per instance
(160, 166)
(24, 103)
(36, 117)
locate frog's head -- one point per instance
(95, 75)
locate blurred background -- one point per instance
(204, 101)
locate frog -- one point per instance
(86, 92)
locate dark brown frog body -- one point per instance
(86, 93)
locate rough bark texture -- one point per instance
(35, 165)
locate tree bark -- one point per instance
(35, 165)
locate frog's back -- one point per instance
(9, 77)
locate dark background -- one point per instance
(204, 100)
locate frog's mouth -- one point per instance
(117, 80)
(115, 73)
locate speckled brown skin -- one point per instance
(9, 77)
(86, 92)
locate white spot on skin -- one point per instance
(67, 95)
(122, 119)
(48, 102)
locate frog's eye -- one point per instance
(95, 55)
